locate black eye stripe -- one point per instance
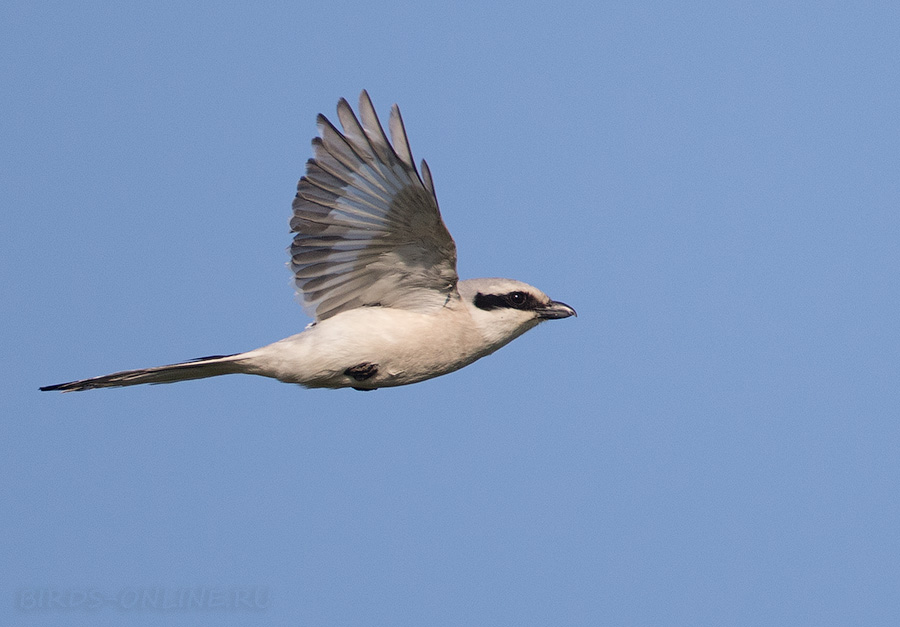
(512, 300)
(489, 301)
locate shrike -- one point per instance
(375, 267)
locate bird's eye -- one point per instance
(517, 299)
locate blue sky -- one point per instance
(714, 440)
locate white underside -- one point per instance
(404, 346)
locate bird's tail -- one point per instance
(201, 368)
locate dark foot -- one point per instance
(361, 372)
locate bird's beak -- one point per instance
(555, 310)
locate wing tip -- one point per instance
(426, 178)
(399, 138)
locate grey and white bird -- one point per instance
(375, 267)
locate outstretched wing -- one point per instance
(368, 227)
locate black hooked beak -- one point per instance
(554, 310)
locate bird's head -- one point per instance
(504, 309)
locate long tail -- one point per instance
(201, 368)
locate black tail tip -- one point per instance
(62, 387)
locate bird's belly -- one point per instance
(370, 348)
(391, 359)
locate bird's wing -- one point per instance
(368, 227)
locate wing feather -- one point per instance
(398, 136)
(368, 228)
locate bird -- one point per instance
(375, 267)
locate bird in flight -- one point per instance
(375, 267)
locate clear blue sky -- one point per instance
(715, 440)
